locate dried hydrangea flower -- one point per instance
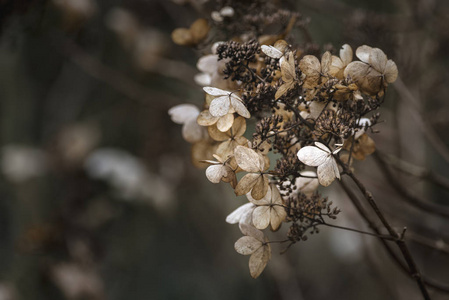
(270, 209)
(220, 170)
(242, 215)
(254, 243)
(229, 139)
(255, 181)
(373, 73)
(320, 156)
(288, 76)
(314, 70)
(223, 101)
(186, 114)
(339, 64)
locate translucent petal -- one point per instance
(240, 108)
(247, 159)
(192, 132)
(378, 60)
(219, 106)
(249, 230)
(261, 217)
(265, 200)
(312, 156)
(277, 216)
(208, 64)
(239, 213)
(217, 135)
(271, 51)
(364, 53)
(326, 172)
(391, 71)
(246, 183)
(259, 260)
(215, 173)
(239, 127)
(225, 122)
(247, 245)
(215, 91)
(183, 113)
(326, 60)
(260, 188)
(346, 54)
(206, 119)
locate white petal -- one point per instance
(322, 147)
(192, 132)
(215, 173)
(271, 51)
(239, 213)
(364, 53)
(312, 156)
(326, 172)
(202, 79)
(219, 106)
(240, 108)
(208, 64)
(183, 112)
(215, 91)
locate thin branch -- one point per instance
(381, 236)
(414, 170)
(114, 79)
(411, 198)
(430, 282)
(418, 117)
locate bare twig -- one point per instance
(411, 198)
(116, 80)
(423, 123)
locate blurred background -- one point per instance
(100, 200)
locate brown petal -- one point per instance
(246, 184)
(259, 260)
(260, 188)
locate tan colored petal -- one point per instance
(247, 159)
(249, 230)
(246, 184)
(239, 127)
(200, 151)
(378, 60)
(259, 260)
(199, 29)
(311, 67)
(206, 119)
(261, 217)
(277, 216)
(240, 108)
(217, 134)
(247, 245)
(182, 36)
(391, 71)
(326, 61)
(260, 188)
(346, 54)
(284, 89)
(225, 122)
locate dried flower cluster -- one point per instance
(313, 113)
